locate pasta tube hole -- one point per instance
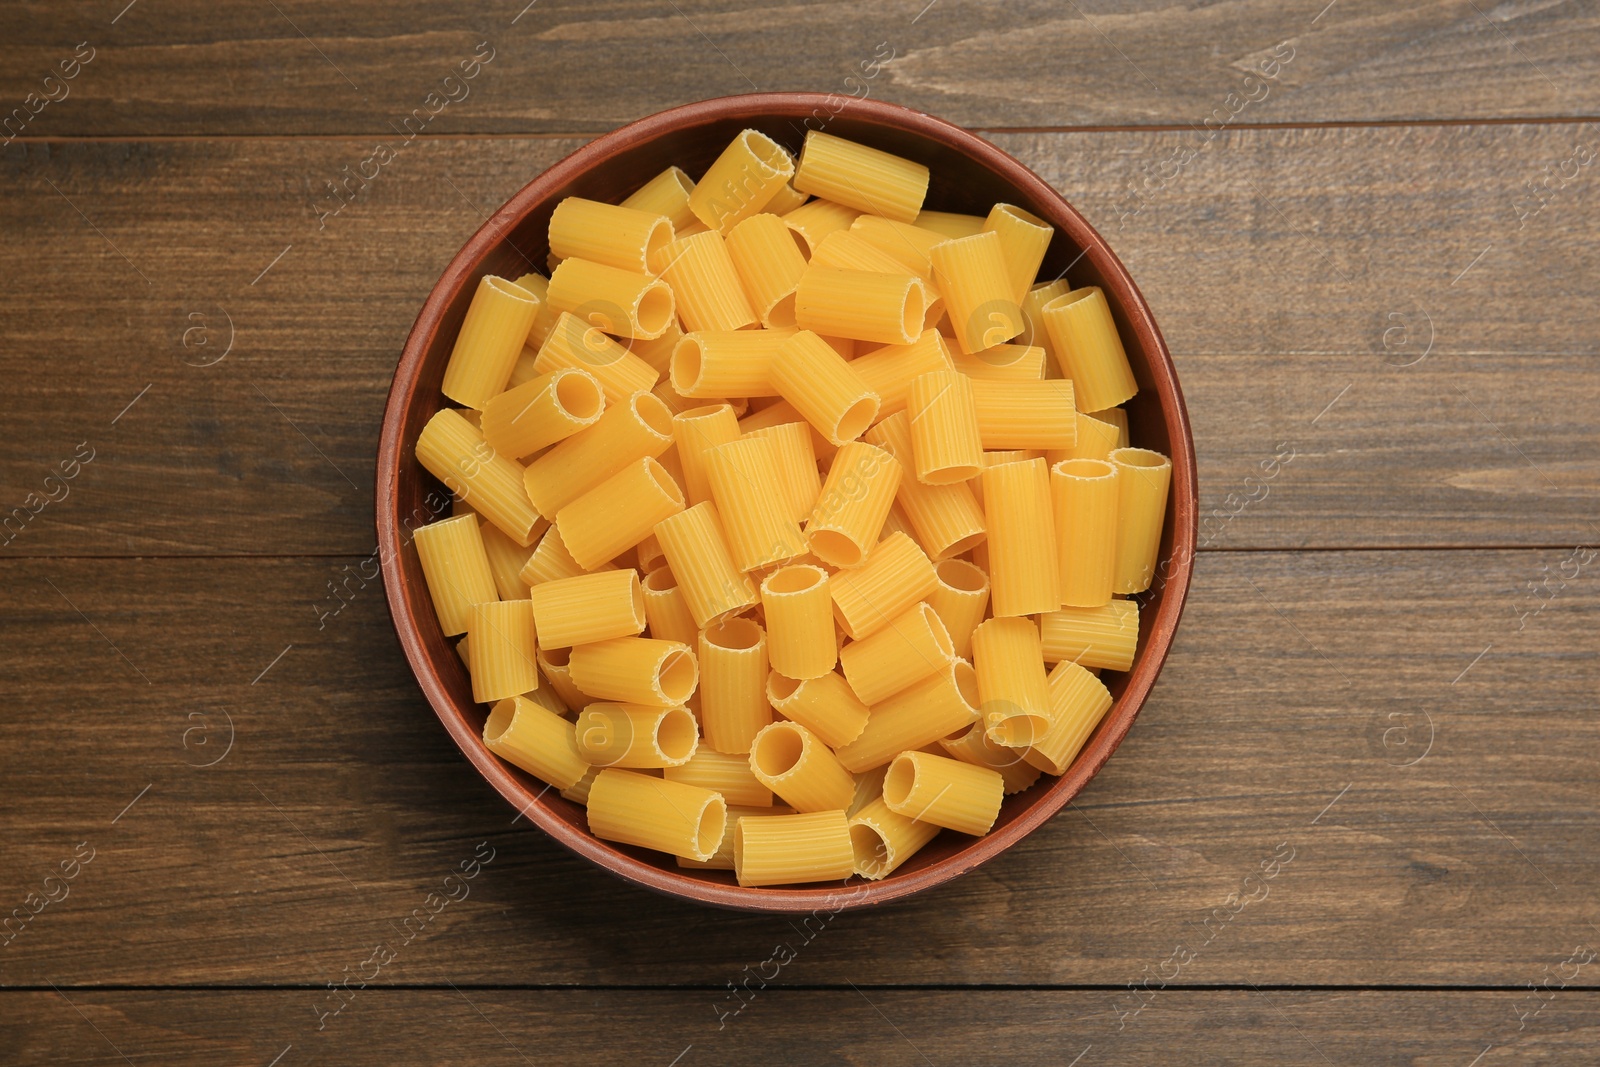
(857, 417)
(555, 657)
(677, 735)
(499, 721)
(735, 634)
(780, 689)
(661, 235)
(966, 680)
(686, 365)
(795, 579)
(663, 481)
(836, 548)
(780, 315)
(1087, 468)
(579, 394)
(767, 152)
(778, 749)
(899, 782)
(941, 636)
(913, 310)
(654, 310)
(1139, 457)
(961, 576)
(660, 580)
(713, 821)
(676, 676)
(870, 848)
(650, 410)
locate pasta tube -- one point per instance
(935, 707)
(1084, 338)
(890, 370)
(638, 427)
(943, 791)
(1143, 477)
(717, 363)
(618, 513)
(974, 746)
(657, 352)
(822, 387)
(812, 221)
(729, 775)
(574, 343)
(901, 654)
(760, 533)
(699, 430)
(733, 676)
(794, 763)
(536, 739)
(907, 244)
(1095, 440)
(555, 667)
(723, 859)
(949, 223)
(1085, 493)
(864, 305)
(635, 670)
(1019, 414)
(501, 656)
(506, 560)
(542, 411)
(705, 284)
(640, 809)
(490, 341)
(799, 614)
(972, 278)
(589, 608)
(578, 793)
(628, 303)
(945, 519)
(1003, 363)
(539, 286)
(611, 234)
(551, 561)
(1078, 701)
(632, 735)
(741, 181)
(1023, 564)
(1105, 637)
(697, 550)
(894, 577)
(854, 502)
(883, 839)
(458, 574)
(857, 176)
(665, 608)
(1011, 688)
(797, 465)
(780, 849)
(453, 450)
(1033, 305)
(825, 705)
(769, 264)
(848, 250)
(1024, 239)
(944, 428)
(665, 194)
(961, 597)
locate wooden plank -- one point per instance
(1371, 729)
(270, 450)
(567, 66)
(494, 1027)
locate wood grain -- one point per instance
(1292, 270)
(564, 66)
(1426, 799)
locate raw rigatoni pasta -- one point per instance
(974, 746)
(741, 181)
(799, 614)
(780, 849)
(1025, 414)
(640, 809)
(722, 860)
(797, 766)
(457, 570)
(1011, 680)
(935, 707)
(637, 428)
(636, 735)
(697, 431)
(825, 705)
(542, 411)
(864, 305)
(759, 530)
(1023, 241)
(453, 450)
(729, 775)
(555, 667)
(712, 584)
(665, 194)
(890, 370)
(1084, 494)
(1003, 363)
(949, 223)
(861, 177)
(501, 655)
(848, 250)
(883, 839)
(1078, 701)
(945, 519)
(575, 343)
(961, 598)
(539, 286)
(1033, 305)
(612, 234)
(1023, 565)
(798, 480)
(945, 435)
(1143, 477)
(491, 339)
(705, 285)
(1104, 637)
(589, 608)
(665, 609)
(823, 389)
(536, 739)
(971, 275)
(550, 561)
(635, 670)
(944, 791)
(895, 575)
(1095, 440)
(506, 560)
(907, 244)
(814, 220)
(1084, 338)
(656, 352)
(769, 264)
(718, 363)
(853, 504)
(733, 684)
(628, 303)
(909, 649)
(618, 513)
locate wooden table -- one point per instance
(1356, 822)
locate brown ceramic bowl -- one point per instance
(969, 175)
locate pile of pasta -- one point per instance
(774, 546)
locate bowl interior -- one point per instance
(968, 175)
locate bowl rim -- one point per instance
(1120, 290)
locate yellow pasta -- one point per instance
(972, 278)
(945, 519)
(665, 194)
(555, 667)
(890, 370)
(853, 504)
(699, 430)
(1117, 417)
(612, 234)
(637, 428)
(961, 598)
(523, 370)
(795, 764)
(759, 531)
(665, 608)
(1019, 414)
(640, 809)
(1033, 305)
(883, 839)
(944, 428)
(629, 303)
(1085, 341)
(718, 363)
(636, 736)
(785, 200)
(1010, 663)
(618, 513)
(935, 707)
(769, 265)
(649, 550)
(822, 387)
(798, 480)
(974, 746)
(825, 705)
(550, 561)
(506, 560)
(539, 286)
(869, 787)
(782, 849)
(729, 775)
(895, 576)
(712, 584)
(588, 608)
(799, 614)
(1084, 494)
(733, 680)
(536, 739)
(490, 341)
(722, 860)
(812, 221)
(1024, 238)
(656, 353)
(1078, 701)
(542, 411)
(578, 792)
(705, 284)
(1009, 363)
(1105, 637)
(949, 223)
(574, 343)
(458, 572)
(901, 654)
(865, 305)
(857, 176)
(907, 244)
(1143, 477)
(454, 451)
(1023, 563)
(502, 662)
(635, 670)
(848, 250)
(944, 791)
(741, 181)
(1095, 440)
